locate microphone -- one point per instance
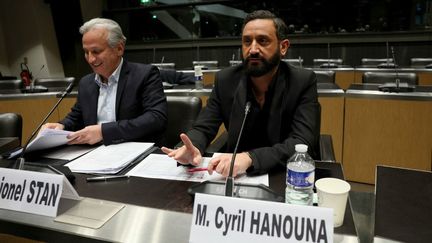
(397, 86)
(260, 192)
(21, 160)
(229, 183)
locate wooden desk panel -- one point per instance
(425, 78)
(389, 132)
(344, 78)
(32, 112)
(332, 121)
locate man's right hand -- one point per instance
(186, 154)
(57, 126)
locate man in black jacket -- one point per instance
(284, 111)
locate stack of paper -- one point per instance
(161, 166)
(109, 159)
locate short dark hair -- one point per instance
(280, 26)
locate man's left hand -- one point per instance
(221, 164)
(88, 135)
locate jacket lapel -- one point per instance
(237, 112)
(124, 73)
(274, 122)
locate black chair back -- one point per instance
(60, 83)
(420, 62)
(10, 125)
(11, 84)
(325, 76)
(377, 62)
(389, 77)
(182, 112)
(327, 63)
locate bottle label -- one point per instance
(301, 179)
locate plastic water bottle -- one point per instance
(198, 77)
(300, 177)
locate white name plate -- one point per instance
(33, 192)
(219, 219)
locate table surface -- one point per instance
(148, 201)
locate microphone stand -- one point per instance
(229, 184)
(21, 160)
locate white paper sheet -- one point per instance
(69, 152)
(48, 138)
(109, 159)
(163, 167)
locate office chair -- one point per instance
(60, 83)
(389, 77)
(235, 62)
(377, 63)
(325, 76)
(164, 66)
(10, 84)
(206, 64)
(327, 63)
(10, 125)
(182, 112)
(294, 61)
(421, 62)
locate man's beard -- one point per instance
(265, 67)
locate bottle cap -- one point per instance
(302, 148)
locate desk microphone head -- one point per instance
(69, 88)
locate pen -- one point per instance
(107, 178)
(191, 170)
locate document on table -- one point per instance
(48, 138)
(109, 159)
(70, 152)
(161, 166)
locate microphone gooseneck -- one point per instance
(397, 80)
(21, 159)
(229, 185)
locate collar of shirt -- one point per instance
(114, 77)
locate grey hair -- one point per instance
(115, 34)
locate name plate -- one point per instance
(221, 219)
(32, 192)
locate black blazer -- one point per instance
(294, 115)
(141, 109)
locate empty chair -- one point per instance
(389, 77)
(60, 83)
(235, 62)
(164, 66)
(10, 84)
(182, 112)
(10, 125)
(325, 76)
(327, 63)
(206, 64)
(377, 63)
(298, 62)
(6, 77)
(421, 62)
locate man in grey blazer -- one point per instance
(121, 101)
(284, 111)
